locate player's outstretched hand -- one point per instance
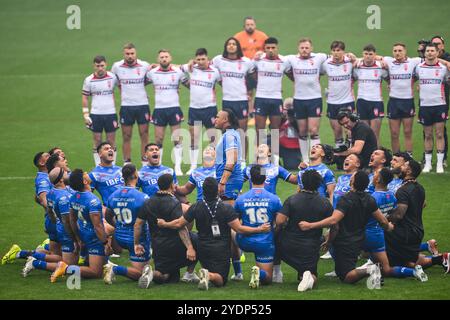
(191, 254)
(139, 250)
(304, 226)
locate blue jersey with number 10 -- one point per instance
(126, 202)
(257, 207)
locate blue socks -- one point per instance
(424, 246)
(262, 274)
(39, 255)
(120, 270)
(237, 266)
(23, 254)
(39, 264)
(402, 272)
(47, 247)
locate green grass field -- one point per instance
(43, 68)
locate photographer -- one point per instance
(289, 144)
(364, 141)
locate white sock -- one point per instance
(440, 158)
(428, 157)
(304, 149)
(160, 155)
(276, 268)
(115, 157)
(194, 157)
(96, 158)
(178, 151)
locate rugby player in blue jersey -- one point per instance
(256, 207)
(228, 156)
(199, 175)
(380, 158)
(122, 209)
(58, 207)
(149, 174)
(374, 242)
(271, 171)
(86, 221)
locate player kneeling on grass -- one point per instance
(122, 209)
(57, 207)
(257, 207)
(347, 234)
(86, 222)
(300, 249)
(213, 220)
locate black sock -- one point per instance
(436, 260)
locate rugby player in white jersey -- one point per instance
(134, 101)
(306, 67)
(102, 114)
(400, 108)
(339, 69)
(268, 99)
(203, 106)
(166, 80)
(369, 73)
(433, 111)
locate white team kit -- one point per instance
(101, 90)
(270, 77)
(132, 82)
(401, 77)
(306, 74)
(340, 82)
(233, 73)
(166, 84)
(202, 86)
(369, 81)
(432, 80)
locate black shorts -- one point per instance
(100, 122)
(369, 110)
(206, 116)
(268, 107)
(345, 257)
(400, 108)
(333, 109)
(431, 115)
(167, 116)
(215, 257)
(131, 114)
(305, 109)
(402, 246)
(250, 83)
(239, 108)
(301, 254)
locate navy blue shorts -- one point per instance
(92, 243)
(431, 115)
(131, 114)
(268, 107)
(100, 122)
(263, 251)
(333, 109)
(369, 110)
(167, 116)
(206, 116)
(305, 109)
(239, 108)
(400, 108)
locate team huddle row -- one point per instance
(237, 74)
(375, 213)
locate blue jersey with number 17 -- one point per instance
(257, 207)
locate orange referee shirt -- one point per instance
(251, 43)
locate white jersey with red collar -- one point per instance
(432, 80)
(166, 84)
(340, 82)
(233, 73)
(270, 76)
(369, 81)
(202, 86)
(102, 92)
(132, 82)
(401, 77)
(307, 75)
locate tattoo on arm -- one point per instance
(184, 236)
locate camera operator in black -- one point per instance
(364, 141)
